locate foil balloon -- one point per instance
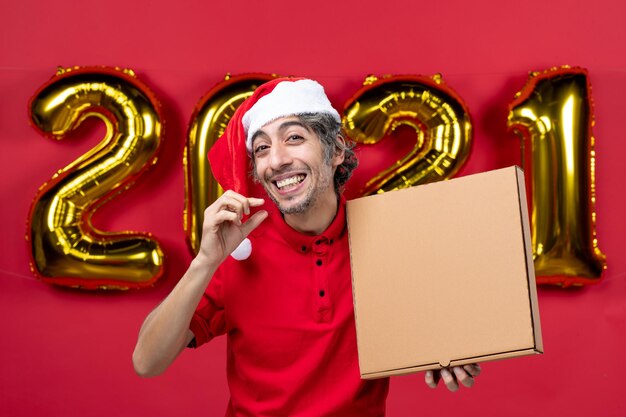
(65, 248)
(553, 114)
(437, 115)
(208, 122)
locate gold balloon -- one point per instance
(553, 114)
(438, 116)
(208, 122)
(65, 248)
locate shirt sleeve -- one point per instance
(208, 320)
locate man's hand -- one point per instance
(451, 377)
(223, 230)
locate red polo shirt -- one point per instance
(287, 312)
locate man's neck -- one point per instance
(317, 218)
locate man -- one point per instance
(286, 304)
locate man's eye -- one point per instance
(260, 148)
(295, 137)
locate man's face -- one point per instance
(290, 164)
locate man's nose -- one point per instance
(279, 157)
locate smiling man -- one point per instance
(286, 304)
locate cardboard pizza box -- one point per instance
(443, 274)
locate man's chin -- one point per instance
(292, 206)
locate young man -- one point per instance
(286, 304)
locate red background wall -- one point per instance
(67, 352)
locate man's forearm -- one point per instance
(165, 332)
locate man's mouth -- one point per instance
(289, 183)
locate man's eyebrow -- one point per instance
(289, 123)
(256, 135)
(283, 126)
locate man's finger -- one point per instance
(246, 202)
(243, 201)
(236, 202)
(472, 369)
(463, 377)
(253, 222)
(449, 380)
(251, 202)
(255, 202)
(224, 216)
(431, 378)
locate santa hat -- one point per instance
(229, 157)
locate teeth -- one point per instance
(290, 181)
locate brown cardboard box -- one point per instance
(443, 274)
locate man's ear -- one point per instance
(340, 152)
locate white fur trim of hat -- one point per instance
(288, 98)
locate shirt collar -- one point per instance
(302, 242)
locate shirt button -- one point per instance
(318, 262)
(303, 248)
(322, 293)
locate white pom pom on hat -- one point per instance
(243, 251)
